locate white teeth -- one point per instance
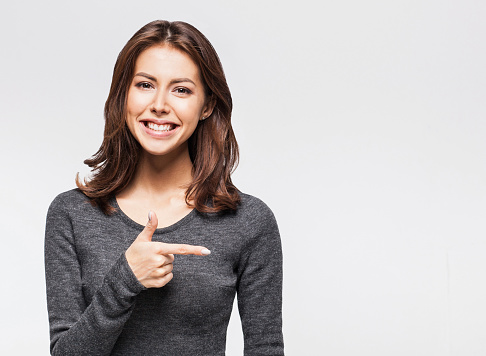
(155, 127)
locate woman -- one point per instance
(117, 287)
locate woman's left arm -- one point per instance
(260, 287)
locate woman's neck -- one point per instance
(159, 185)
(160, 175)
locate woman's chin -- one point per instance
(165, 150)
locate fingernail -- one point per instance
(150, 216)
(205, 251)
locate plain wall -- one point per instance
(361, 124)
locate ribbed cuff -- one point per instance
(122, 279)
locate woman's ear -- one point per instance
(208, 108)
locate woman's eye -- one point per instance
(182, 91)
(144, 85)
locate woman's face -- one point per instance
(165, 100)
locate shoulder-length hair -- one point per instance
(212, 147)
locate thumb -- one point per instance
(148, 231)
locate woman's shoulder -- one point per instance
(254, 209)
(71, 196)
(252, 203)
(70, 200)
(256, 221)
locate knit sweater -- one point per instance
(97, 306)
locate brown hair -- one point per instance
(212, 147)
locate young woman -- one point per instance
(118, 284)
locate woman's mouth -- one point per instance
(160, 128)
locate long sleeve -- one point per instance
(97, 306)
(259, 287)
(75, 327)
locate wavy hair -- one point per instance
(212, 147)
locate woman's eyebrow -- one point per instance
(181, 80)
(148, 76)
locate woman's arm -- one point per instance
(77, 328)
(260, 287)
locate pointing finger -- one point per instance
(182, 249)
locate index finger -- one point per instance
(182, 249)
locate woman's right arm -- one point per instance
(77, 328)
(80, 329)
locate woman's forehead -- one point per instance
(164, 60)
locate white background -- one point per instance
(361, 124)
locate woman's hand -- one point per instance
(151, 261)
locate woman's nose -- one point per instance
(160, 105)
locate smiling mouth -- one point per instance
(160, 128)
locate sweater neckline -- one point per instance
(127, 220)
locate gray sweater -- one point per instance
(98, 307)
